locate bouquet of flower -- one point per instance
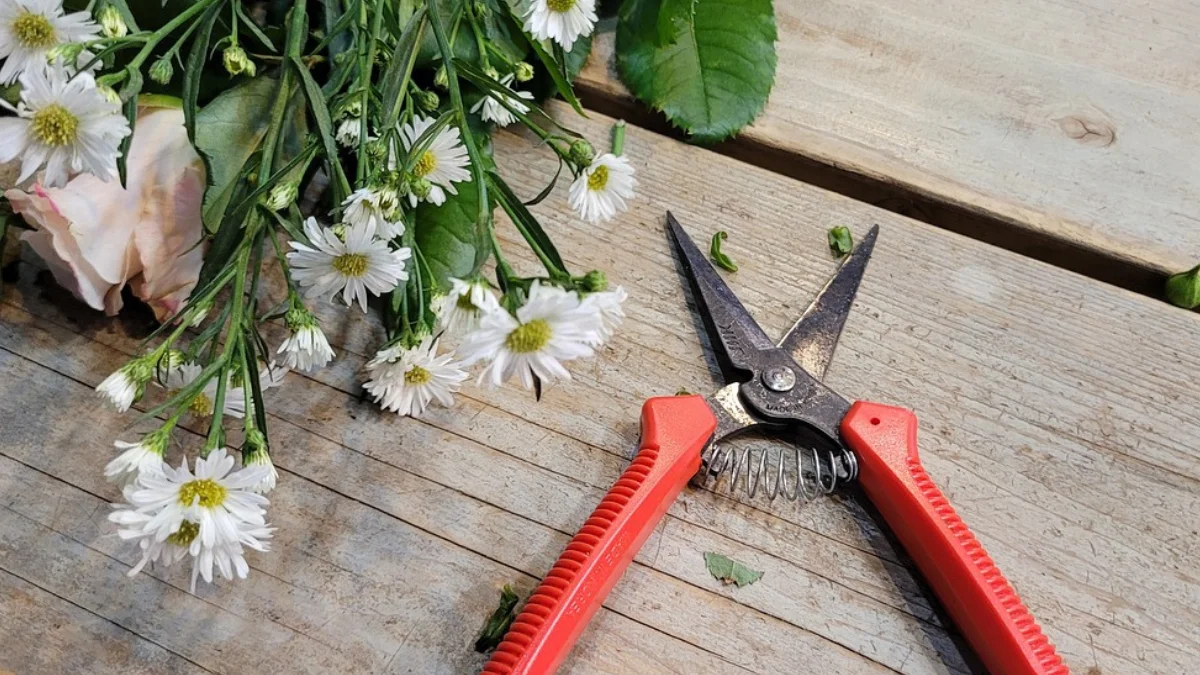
(194, 150)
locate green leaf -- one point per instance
(446, 235)
(316, 103)
(714, 251)
(399, 70)
(229, 131)
(716, 77)
(529, 226)
(497, 624)
(659, 22)
(1183, 289)
(840, 241)
(730, 571)
(197, 57)
(578, 56)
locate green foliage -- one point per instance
(228, 132)
(446, 235)
(1183, 289)
(840, 241)
(709, 70)
(730, 571)
(720, 257)
(497, 624)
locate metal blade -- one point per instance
(735, 336)
(812, 341)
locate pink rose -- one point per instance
(95, 236)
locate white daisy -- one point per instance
(203, 403)
(29, 29)
(306, 347)
(490, 109)
(359, 264)
(144, 456)
(405, 381)
(551, 327)
(211, 515)
(63, 124)
(600, 190)
(459, 311)
(607, 306)
(367, 206)
(443, 162)
(349, 132)
(563, 21)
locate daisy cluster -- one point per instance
(355, 153)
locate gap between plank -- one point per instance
(1094, 262)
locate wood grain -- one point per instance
(1056, 413)
(1072, 119)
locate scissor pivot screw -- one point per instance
(780, 378)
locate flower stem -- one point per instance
(618, 138)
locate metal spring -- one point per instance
(793, 473)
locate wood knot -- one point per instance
(1088, 131)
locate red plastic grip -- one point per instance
(978, 597)
(674, 432)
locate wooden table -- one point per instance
(1058, 413)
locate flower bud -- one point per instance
(377, 149)
(109, 94)
(339, 231)
(492, 73)
(162, 70)
(282, 196)
(427, 101)
(593, 282)
(111, 23)
(581, 152)
(236, 62)
(421, 188)
(67, 52)
(440, 79)
(523, 72)
(481, 9)
(1183, 289)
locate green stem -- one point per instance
(167, 29)
(618, 138)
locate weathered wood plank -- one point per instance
(500, 534)
(1074, 119)
(1086, 523)
(45, 634)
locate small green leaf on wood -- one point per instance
(716, 75)
(840, 241)
(723, 261)
(497, 624)
(729, 571)
(1183, 289)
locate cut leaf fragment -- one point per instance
(719, 257)
(498, 623)
(729, 571)
(715, 76)
(840, 241)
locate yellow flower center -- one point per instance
(201, 405)
(425, 164)
(210, 492)
(351, 264)
(529, 337)
(560, 6)
(185, 534)
(417, 375)
(54, 125)
(598, 179)
(34, 30)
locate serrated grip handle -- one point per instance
(674, 432)
(981, 601)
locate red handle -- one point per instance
(978, 597)
(674, 432)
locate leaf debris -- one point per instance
(730, 571)
(498, 623)
(714, 251)
(840, 241)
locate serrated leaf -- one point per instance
(715, 78)
(446, 235)
(729, 571)
(228, 131)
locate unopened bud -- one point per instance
(339, 231)
(523, 71)
(109, 94)
(492, 73)
(582, 153)
(482, 10)
(111, 23)
(1183, 289)
(236, 62)
(66, 53)
(282, 196)
(161, 70)
(594, 282)
(377, 149)
(421, 188)
(427, 101)
(440, 79)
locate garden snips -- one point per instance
(777, 387)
